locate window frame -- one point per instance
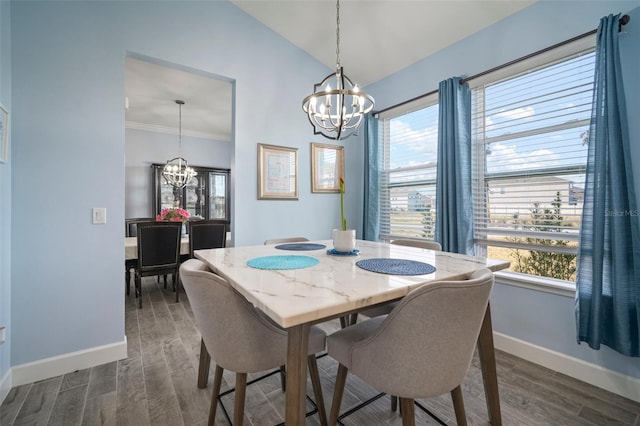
(479, 178)
(386, 186)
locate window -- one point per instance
(409, 151)
(529, 134)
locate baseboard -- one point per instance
(67, 363)
(5, 386)
(610, 380)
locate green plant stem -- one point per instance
(344, 221)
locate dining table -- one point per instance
(324, 284)
(131, 246)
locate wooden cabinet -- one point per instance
(207, 196)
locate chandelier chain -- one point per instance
(338, 34)
(337, 107)
(179, 130)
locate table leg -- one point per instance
(488, 366)
(297, 348)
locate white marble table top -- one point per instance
(335, 285)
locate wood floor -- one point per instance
(156, 385)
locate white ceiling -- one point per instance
(152, 89)
(377, 38)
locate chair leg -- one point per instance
(317, 388)
(203, 367)
(338, 391)
(394, 403)
(458, 406)
(283, 378)
(408, 412)
(176, 285)
(127, 279)
(217, 383)
(238, 407)
(139, 290)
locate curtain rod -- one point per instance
(622, 21)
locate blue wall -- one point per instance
(143, 148)
(5, 198)
(69, 150)
(64, 71)
(540, 318)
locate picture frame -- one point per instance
(4, 135)
(277, 172)
(327, 167)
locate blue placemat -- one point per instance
(282, 262)
(334, 252)
(301, 246)
(396, 266)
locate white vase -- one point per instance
(344, 241)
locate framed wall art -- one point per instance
(277, 172)
(327, 167)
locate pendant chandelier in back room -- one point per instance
(177, 172)
(337, 113)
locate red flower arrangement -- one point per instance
(173, 215)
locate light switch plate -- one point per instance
(2, 334)
(99, 216)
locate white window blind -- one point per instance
(529, 136)
(409, 160)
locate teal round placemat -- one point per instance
(282, 262)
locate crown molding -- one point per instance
(172, 131)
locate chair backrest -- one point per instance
(206, 234)
(286, 240)
(425, 244)
(237, 336)
(131, 225)
(158, 246)
(425, 345)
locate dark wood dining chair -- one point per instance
(130, 230)
(206, 234)
(131, 225)
(158, 253)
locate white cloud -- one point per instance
(506, 158)
(517, 113)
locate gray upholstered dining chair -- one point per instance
(239, 337)
(425, 244)
(422, 349)
(386, 308)
(286, 240)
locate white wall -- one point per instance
(69, 150)
(537, 318)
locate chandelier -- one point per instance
(176, 172)
(336, 113)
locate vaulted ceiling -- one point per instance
(377, 38)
